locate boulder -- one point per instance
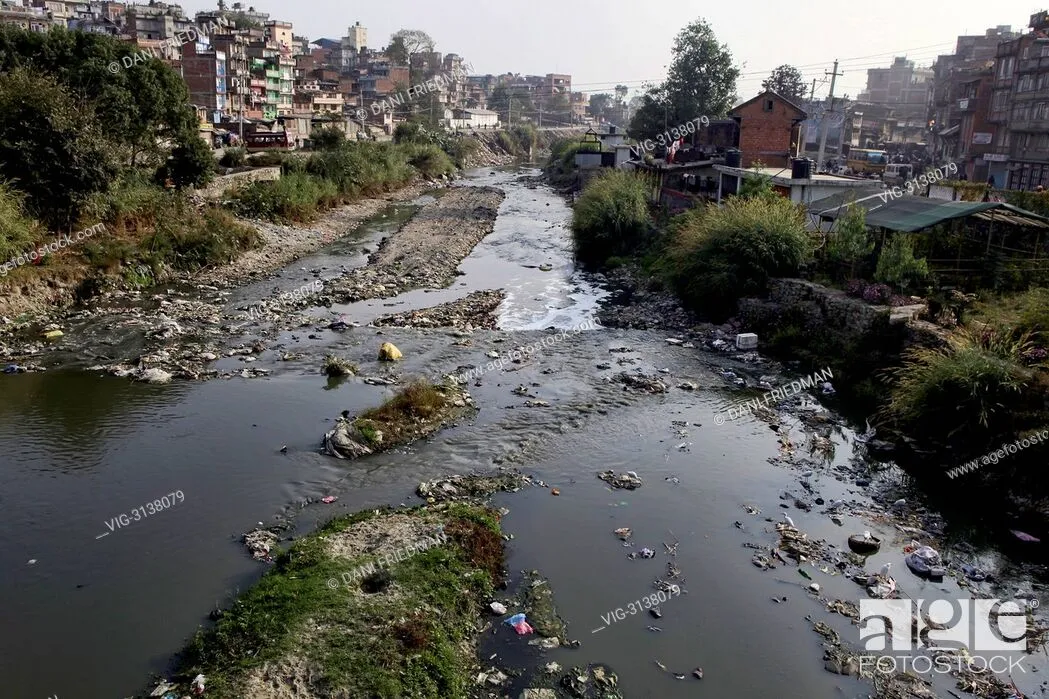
(389, 352)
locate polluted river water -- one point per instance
(92, 610)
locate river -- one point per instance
(91, 610)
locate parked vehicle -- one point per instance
(897, 173)
(277, 140)
(867, 160)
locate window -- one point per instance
(769, 105)
(1026, 84)
(1041, 110)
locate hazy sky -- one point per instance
(602, 43)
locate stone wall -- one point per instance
(815, 306)
(223, 182)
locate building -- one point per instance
(769, 129)
(802, 190)
(905, 89)
(473, 119)
(34, 19)
(204, 70)
(1019, 114)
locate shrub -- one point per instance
(719, 255)
(429, 160)
(294, 197)
(327, 138)
(234, 157)
(506, 142)
(271, 158)
(897, 264)
(611, 217)
(849, 243)
(18, 232)
(362, 168)
(855, 287)
(878, 294)
(972, 391)
(133, 203)
(192, 163)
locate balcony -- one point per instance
(966, 104)
(274, 74)
(1033, 65)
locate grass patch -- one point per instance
(412, 637)
(399, 419)
(611, 217)
(18, 232)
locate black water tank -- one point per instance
(801, 169)
(611, 130)
(733, 157)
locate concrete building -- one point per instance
(802, 190)
(34, 19)
(905, 88)
(769, 129)
(1019, 111)
(204, 70)
(473, 119)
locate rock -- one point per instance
(538, 694)
(389, 353)
(153, 376)
(344, 441)
(687, 386)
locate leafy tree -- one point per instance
(600, 105)
(51, 146)
(406, 43)
(787, 82)
(192, 163)
(849, 241)
(756, 187)
(327, 138)
(621, 92)
(897, 264)
(141, 108)
(701, 82)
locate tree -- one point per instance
(192, 163)
(327, 138)
(505, 100)
(408, 42)
(621, 92)
(849, 241)
(51, 146)
(600, 105)
(787, 82)
(701, 82)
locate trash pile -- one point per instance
(468, 487)
(639, 382)
(627, 481)
(259, 542)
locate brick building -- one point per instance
(769, 128)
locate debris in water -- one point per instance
(698, 673)
(623, 533)
(654, 611)
(627, 481)
(1024, 536)
(498, 608)
(329, 499)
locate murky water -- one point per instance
(102, 606)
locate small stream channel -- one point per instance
(98, 611)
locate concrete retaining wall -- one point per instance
(223, 182)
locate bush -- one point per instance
(18, 232)
(849, 243)
(271, 158)
(970, 393)
(719, 255)
(327, 138)
(294, 197)
(362, 168)
(878, 294)
(234, 157)
(897, 264)
(133, 203)
(429, 160)
(611, 217)
(192, 163)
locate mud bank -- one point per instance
(476, 311)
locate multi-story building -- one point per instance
(350, 47)
(264, 64)
(204, 70)
(961, 130)
(904, 88)
(1019, 110)
(238, 75)
(156, 21)
(35, 19)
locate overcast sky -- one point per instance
(602, 43)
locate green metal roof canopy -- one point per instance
(908, 214)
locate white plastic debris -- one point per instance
(746, 341)
(498, 608)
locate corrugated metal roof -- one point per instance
(908, 214)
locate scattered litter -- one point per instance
(498, 608)
(925, 562)
(814, 587)
(623, 533)
(655, 628)
(31, 561)
(864, 543)
(746, 341)
(974, 573)
(329, 499)
(674, 341)
(520, 625)
(654, 611)
(52, 334)
(162, 688)
(629, 480)
(259, 542)
(1024, 536)
(198, 684)
(698, 673)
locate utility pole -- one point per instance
(801, 137)
(823, 120)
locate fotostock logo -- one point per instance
(987, 630)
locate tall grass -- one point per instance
(718, 255)
(429, 160)
(18, 232)
(968, 393)
(133, 203)
(294, 197)
(611, 217)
